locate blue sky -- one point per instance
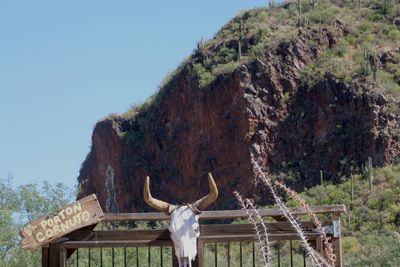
(64, 65)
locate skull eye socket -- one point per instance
(195, 226)
(195, 231)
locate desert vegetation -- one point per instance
(367, 51)
(372, 219)
(364, 54)
(370, 229)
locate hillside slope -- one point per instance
(371, 227)
(302, 94)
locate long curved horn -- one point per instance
(153, 202)
(206, 201)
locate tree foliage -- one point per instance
(21, 205)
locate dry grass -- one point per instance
(314, 256)
(331, 257)
(260, 227)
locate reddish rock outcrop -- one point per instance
(260, 109)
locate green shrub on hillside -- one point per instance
(387, 80)
(224, 68)
(369, 239)
(204, 76)
(325, 14)
(394, 35)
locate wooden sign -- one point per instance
(84, 212)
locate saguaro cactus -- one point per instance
(271, 3)
(321, 176)
(373, 63)
(313, 3)
(349, 220)
(352, 187)
(299, 12)
(365, 62)
(240, 39)
(368, 173)
(370, 62)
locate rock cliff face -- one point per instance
(261, 109)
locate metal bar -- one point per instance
(77, 257)
(279, 254)
(229, 254)
(101, 257)
(137, 257)
(124, 256)
(161, 255)
(241, 254)
(304, 259)
(254, 254)
(291, 253)
(89, 258)
(112, 257)
(215, 254)
(148, 256)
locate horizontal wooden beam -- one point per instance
(220, 214)
(208, 233)
(204, 239)
(208, 230)
(271, 237)
(116, 243)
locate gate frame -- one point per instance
(56, 254)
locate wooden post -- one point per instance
(54, 255)
(336, 243)
(319, 245)
(45, 257)
(62, 256)
(200, 253)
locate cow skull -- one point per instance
(184, 225)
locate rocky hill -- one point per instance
(305, 93)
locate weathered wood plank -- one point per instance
(219, 214)
(208, 233)
(117, 243)
(54, 254)
(202, 239)
(205, 231)
(200, 253)
(336, 243)
(129, 235)
(63, 256)
(276, 227)
(272, 237)
(84, 212)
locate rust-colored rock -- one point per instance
(260, 109)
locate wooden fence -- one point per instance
(66, 250)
